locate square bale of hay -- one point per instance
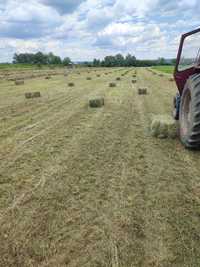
(142, 91)
(19, 82)
(112, 84)
(163, 126)
(28, 95)
(71, 84)
(36, 94)
(96, 102)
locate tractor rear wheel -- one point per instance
(189, 115)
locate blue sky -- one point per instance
(85, 29)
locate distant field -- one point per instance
(166, 69)
(25, 66)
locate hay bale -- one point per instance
(28, 95)
(118, 79)
(163, 126)
(36, 94)
(32, 95)
(71, 84)
(19, 82)
(88, 78)
(142, 91)
(112, 84)
(134, 81)
(96, 103)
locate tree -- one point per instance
(130, 60)
(96, 63)
(120, 61)
(66, 61)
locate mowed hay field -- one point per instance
(91, 187)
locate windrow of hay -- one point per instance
(96, 102)
(163, 126)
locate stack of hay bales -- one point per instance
(163, 126)
(96, 102)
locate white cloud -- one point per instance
(83, 29)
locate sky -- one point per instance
(87, 29)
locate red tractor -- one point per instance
(187, 100)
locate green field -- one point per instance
(166, 69)
(7, 66)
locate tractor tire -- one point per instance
(189, 115)
(176, 106)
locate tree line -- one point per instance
(128, 61)
(40, 58)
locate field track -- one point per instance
(90, 187)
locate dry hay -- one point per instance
(142, 91)
(96, 102)
(118, 79)
(163, 126)
(112, 84)
(71, 84)
(134, 81)
(89, 78)
(19, 82)
(32, 95)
